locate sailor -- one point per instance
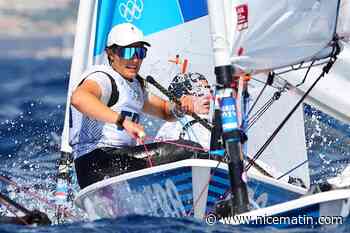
(184, 84)
(110, 99)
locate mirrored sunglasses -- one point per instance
(128, 53)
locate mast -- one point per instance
(79, 60)
(226, 109)
(79, 63)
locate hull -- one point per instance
(331, 207)
(192, 187)
(185, 188)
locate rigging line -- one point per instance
(259, 81)
(188, 127)
(142, 142)
(333, 58)
(148, 155)
(26, 190)
(32, 194)
(211, 175)
(258, 167)
(263, 109)
(259, 113)
(257, 99)
(307, 72)
(293, 169)
(301, 68)
(177, 144)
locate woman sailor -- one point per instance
(184, 84)
(110, 99)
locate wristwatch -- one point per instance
(120, 120)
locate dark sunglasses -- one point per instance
(128, 53)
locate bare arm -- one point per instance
(158, 107)
(189, 104)
(86, 98)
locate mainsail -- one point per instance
(182, 27)
(290, 32)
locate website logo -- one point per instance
(131, 10)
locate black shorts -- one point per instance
(108, 162)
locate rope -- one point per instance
(193, 148)
(188, 127)
(177, 144)
(148, 155)
(257, 99)
(293, 169)
(325, 70)
(263, 109)
(307, 72)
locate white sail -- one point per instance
(331, 94)
(265, 35)
(79, 60)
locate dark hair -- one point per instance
(113, 47)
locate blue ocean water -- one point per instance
(31, 121)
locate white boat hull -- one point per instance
(192, 187)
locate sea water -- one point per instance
(31, 120)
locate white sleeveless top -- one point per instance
(88, 134)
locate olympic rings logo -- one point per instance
(131, 10)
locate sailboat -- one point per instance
(236, 37)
